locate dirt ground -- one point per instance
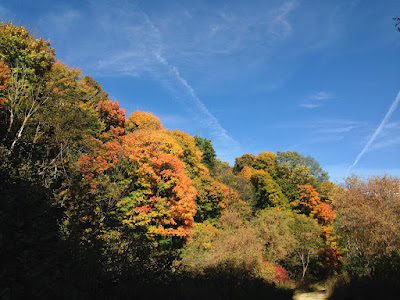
(318, 295)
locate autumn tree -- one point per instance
(274, 228)
(246, 160)
(212, 198)
(191, 155)
(143, 120)
(142, 179)
(42, 129)
(29, 61)
(238, 182)
(261, 170)
(310, 204)
(266, 161)
(268, 192)
(17, 45)
(368, 219)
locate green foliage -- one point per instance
(210, 198)
(307, 234)
(17, 46)
(92, 203)
(301, 169)
(274, 228)
(207, 148)
(224, 173)
(266, 161)
(268, 192)
(233, 245)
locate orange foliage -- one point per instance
(308, 200)
(143, 120)
(143, 143)
(324, 214)
(310, 204)
(265, 161)
(4, 78)
(246, 172)
(191, 154)
(168, 206)
(162, 196)
(111, 114)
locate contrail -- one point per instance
(213, 122)
(377, 131)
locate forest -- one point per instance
(95, 204)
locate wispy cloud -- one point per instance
(324, 126)
(377, 131)
(323, 131)
(338, 172)
(205, 41)
(145, 53)
(389, 137)
(219, 133)
(210, 119)
(280, 27)
(316, 100)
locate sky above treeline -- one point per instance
(317, 77)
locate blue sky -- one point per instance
(317, 77)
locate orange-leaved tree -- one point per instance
(310, 204)
(133, 183)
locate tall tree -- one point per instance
(301, 169)
(207, 148)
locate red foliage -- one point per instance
(280, 273)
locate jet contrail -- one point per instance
(377, 131)
(212, 121)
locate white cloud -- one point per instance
(280, 27)
(324, 126)
(389, 137)
(340, 171)
(138, 49)
(203, 41)
(316, 100)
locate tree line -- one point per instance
(95, 204)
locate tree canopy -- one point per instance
(98, 205)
